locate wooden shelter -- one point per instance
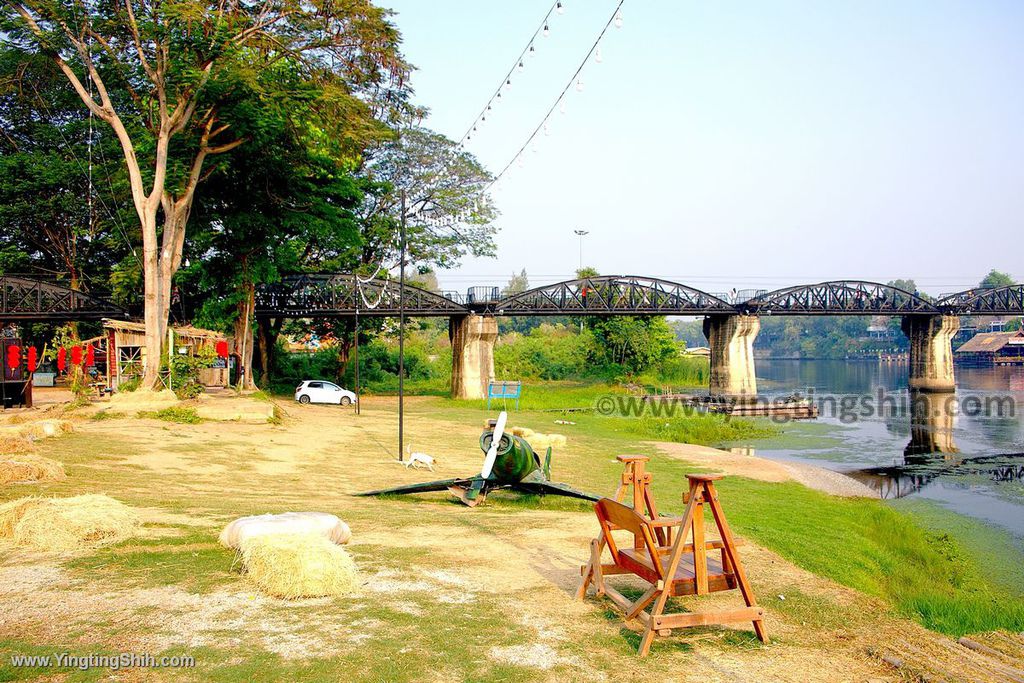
(125, 343)
(993, 348)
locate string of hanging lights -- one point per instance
(576, 80)
(543, 30)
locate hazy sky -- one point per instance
(753, 144)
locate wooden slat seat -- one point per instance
(675, 566)
(685, 580)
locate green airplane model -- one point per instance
(509, 463)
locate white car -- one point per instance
(317, 391)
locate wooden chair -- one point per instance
(681, 568)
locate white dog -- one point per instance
(420, 460)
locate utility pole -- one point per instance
(401, 339)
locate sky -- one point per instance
(752, 145)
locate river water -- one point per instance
(965, 451)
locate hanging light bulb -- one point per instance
(547, 131)
(533, 51)
(508, 83)
(598, 57)
(546, 31)
(521, 67)
(560, 8)
(520, 161)
(535, 148)
(579, 85)
(561, 106)
(618, 19)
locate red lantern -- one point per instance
(13, 356)
(222, 348)
(76, 355)
(62, 359)
(33, 359)
(90, 355)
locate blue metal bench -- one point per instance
(504, 389)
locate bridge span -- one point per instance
(731, 322)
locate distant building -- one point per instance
(993, 348)
(698, 351)
(879, 328)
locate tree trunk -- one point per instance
(344, 356)
(265, 339)
(154, 314)
(244, 336)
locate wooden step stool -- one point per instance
(672, 568)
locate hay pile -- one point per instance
(322, 523)
(29, 468)
(305, 565)
(67, 524)
(540, 441)
(15, 442)
(46, 428)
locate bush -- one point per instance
(176, 414)
(130, 384)
(185, 372)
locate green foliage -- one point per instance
(130, 384)
(700, 428)
(628, 345)
(996, 278)
(45, 222)
(551, 352)
(66, 337)
(185, 372)
(177, 414)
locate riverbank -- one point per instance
(742, 462)
(470, 594)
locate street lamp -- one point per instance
(581, 234)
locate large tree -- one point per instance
(166, 71)
(447, 208)
(61, 189)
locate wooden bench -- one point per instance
(671, 568)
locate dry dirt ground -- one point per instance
(449, 593)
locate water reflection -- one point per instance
(969, 460)
(931, 424)
(898, 481)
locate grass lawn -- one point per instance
(452, 593)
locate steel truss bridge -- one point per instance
(342, 295)
(31, 300)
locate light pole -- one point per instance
(581, 234)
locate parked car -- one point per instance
(318, 391)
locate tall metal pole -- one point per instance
(359, 395)
(581, 233)
(401, 339)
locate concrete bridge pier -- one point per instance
(472, 338)
(931, 351)
(932, 418)
(731, 339)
